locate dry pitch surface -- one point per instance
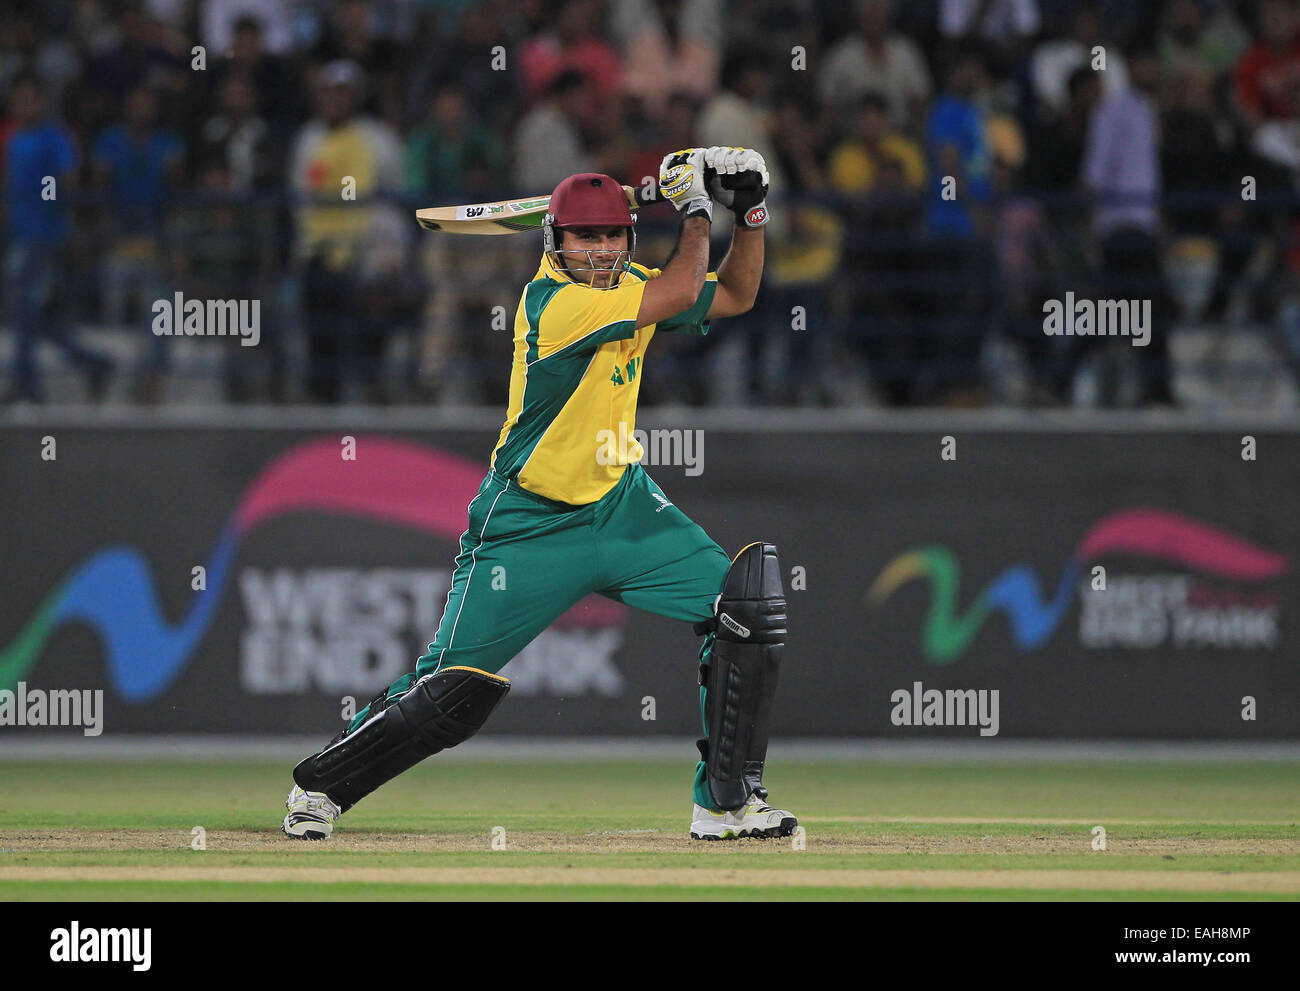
(618, 831)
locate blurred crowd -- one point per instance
(939, 170)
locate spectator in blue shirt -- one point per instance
(953, 311)
(135, 162)
(39, 162)
(958, 150)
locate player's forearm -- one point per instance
(742, 269)
(682, 279)
(689, 263)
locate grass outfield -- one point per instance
(617, 830)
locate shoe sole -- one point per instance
(308, 832)
(786, 827)
(728, 835)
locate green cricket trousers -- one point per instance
(525, 560)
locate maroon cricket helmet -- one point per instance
(588, 199)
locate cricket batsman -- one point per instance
(567, 514)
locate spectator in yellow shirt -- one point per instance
(856, 162)
(340, 160)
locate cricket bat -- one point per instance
(507, 216)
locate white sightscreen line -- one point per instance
(521, 748)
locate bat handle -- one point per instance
(640, 196)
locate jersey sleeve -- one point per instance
(577, 319)
(692, 320)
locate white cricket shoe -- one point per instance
(311, 815)
(755, 818)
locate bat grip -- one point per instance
(743, 180)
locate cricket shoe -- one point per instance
(311, 815)
(755, 818)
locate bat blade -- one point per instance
(503, 217)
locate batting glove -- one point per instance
(737, 179)
(681, 182)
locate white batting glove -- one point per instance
(681, 182)
(729, 161)
(737, 180)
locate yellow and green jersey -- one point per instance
(576, 375)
